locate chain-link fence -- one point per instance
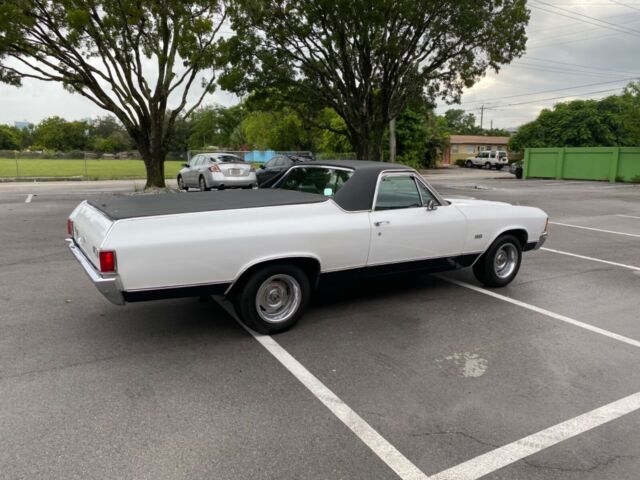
(255, 156)
(80, 165)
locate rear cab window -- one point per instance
(318, 180)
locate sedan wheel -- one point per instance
(181, 185)
(499, 265)
(203, 184)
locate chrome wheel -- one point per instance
(505, 260)
(278, 298)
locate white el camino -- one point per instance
(268, 249)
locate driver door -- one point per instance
(404, 230)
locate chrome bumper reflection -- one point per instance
(541, 240)
(107, 286)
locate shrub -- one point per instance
(461, 162)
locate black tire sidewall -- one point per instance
(245, 301)
(483, 269)
(201, 182)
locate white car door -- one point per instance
(403, 229)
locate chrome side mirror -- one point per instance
(431, 205)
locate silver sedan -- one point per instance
(216, 170)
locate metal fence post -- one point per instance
(613, 166)
(17, 168)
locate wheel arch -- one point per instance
(519, 232)
(310, 264)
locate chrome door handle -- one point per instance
(382, 222)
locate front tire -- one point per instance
(499, 265)
(469, 164)
(274, 298)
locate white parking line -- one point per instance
(29, 198)
(627, 216)
(533, 308)
(365, 432)
(595, 229)
(511, 453)
(615, 264)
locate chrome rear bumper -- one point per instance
(109, 286)
(541, 240)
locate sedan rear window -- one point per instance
(323, 181)
(229, 159)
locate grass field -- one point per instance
(95, 169)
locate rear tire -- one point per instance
(487, 166)
(519, 173)
(181, 185)
(203, 184)
(499, 265)
(273, 298)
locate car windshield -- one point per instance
(324, 181)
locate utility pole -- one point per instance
(481, 116)
(392, 140)
(492, 124)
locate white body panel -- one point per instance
(217, 247)
(415, 234)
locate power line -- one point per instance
(625, 5)
(578, 65)
(573, 12)
(498, 107)
(487, 100)
(550, 69)
(630, 32)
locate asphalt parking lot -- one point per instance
(415, 378)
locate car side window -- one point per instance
(270, 164)
(194, 161)
(397, 191)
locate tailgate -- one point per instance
(90, 228)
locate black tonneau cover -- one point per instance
(118, 207)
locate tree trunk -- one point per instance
(368, 144)
(155, 171)
(392, 140)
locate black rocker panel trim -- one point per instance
(432, 265)
(177, 292)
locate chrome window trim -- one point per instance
(397, 173)
(441, 201)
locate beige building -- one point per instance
(464, 146)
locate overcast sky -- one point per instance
(565, 56)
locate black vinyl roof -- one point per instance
(118, 207)
(357, 194)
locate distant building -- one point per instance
(21, 125)
(463, 146)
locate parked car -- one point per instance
(516, 168)
(489, 159)
(267, 249)
(216, 170)
(275, 167)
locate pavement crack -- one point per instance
(454, 432)
(591, 468)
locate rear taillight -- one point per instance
(70, 227)
(214, 168)
(107, 261)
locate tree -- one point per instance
(214, 125)
(584, 123)
(9, 138)
(105, 51)
(106, 134)
(366, 59)
(55, 133)
(461, 123)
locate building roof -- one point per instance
(479, 139)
